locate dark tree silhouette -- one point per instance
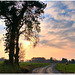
(64, 60)
(5, 13)
(20, 17)
(51, 60)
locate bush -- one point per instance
(6, 61)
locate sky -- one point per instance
(57, 36)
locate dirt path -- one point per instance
(46, 69)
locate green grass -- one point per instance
(30, 66)
(1, 62)
(70, 68)
(7, 68)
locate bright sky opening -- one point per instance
(57, 36)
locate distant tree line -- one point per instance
(64, 60)
(51, 60)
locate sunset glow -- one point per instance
(26, 44)
(57, 36)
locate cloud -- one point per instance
(58, 27)
(54, 43)
(69, 4)
(59, 5)
(61, 10)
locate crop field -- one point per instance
(7, 68)
(70, 68)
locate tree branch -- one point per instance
(22, 12)
(7, 17)
(21, 25)
(21, 32)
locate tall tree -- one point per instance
(18, 15)
(5, 13)
(28, 18)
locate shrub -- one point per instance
(6, 61)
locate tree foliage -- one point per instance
(20, 17)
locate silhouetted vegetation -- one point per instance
(51, 60)
(6, 61)
(20, 17)
(64, 60)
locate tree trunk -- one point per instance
(17, 49)
(11, 56)
(12, 45)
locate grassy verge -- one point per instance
(70, 68)
(30, 66)
(6, 68)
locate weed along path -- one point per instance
(46, 69)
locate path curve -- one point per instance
(46, 69)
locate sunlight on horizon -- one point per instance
(57, 36)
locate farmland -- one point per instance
(7, 68)
(30, 66)
(63, 68)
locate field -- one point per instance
(30, 66)
(70, 68)
(6, 68)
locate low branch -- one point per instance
(21, 32)
(21, 26)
